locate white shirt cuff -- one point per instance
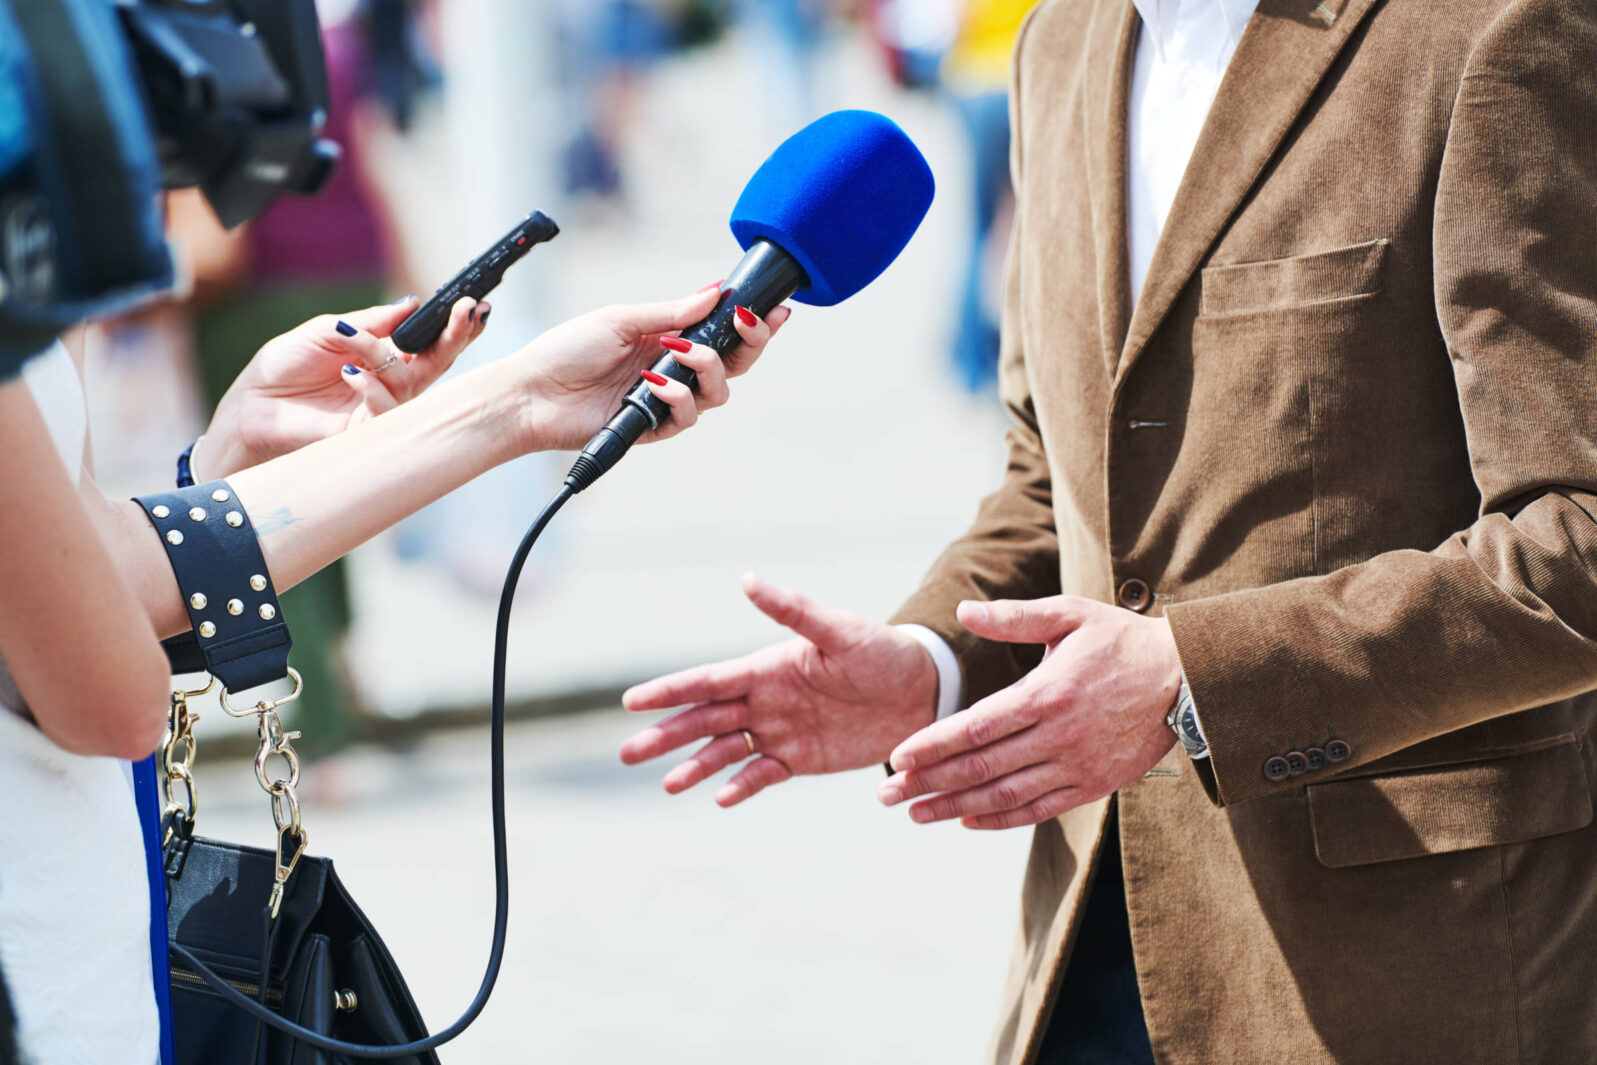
(950, 678)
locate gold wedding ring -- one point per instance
(748, 738)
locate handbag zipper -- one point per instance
(274, 997)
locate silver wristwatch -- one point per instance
(1183, 718)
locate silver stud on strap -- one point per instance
(258, 583)
(235, 607)
(174, 537)
(268, 611)
(220, 495)
(198, 600)
(207, 630)
(234, 518)
(197, 514)
(161, 511)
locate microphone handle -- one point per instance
(762, 279)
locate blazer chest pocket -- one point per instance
(1273, 284)
(1507, 799)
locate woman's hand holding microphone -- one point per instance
(576, 373)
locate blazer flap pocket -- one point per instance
(1313, 278)
(1450, 808)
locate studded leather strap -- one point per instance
(238, 632)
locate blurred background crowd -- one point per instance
(842, 465)
(633, 123)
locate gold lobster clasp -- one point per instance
(286, 869)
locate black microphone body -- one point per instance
(762, 279)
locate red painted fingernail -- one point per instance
(653, 378)
(712, 284)
(676, 344)
(746, 316)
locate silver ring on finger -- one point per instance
(392, 360)
(748, 738)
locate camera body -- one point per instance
(237, 92)
(105, 103)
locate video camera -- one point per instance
(104, 103)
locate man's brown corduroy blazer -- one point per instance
(1347, 444)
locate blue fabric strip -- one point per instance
(147, 792)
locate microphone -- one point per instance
(820, 219)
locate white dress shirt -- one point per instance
(1182, 53)
(1183, 49)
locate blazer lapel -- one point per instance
(1286, 49)
(1108, 72)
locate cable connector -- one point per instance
(606, 448)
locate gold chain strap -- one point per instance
(177, 762)
(177, 766)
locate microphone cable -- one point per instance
(496, 749)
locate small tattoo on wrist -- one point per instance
(279, 519)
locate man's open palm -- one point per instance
(840, 696)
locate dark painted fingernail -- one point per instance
(351, 370)
(676, 344)
(471, 315)
(653, 378)
(746, 316)
(712, 284)
(404, 299)
(485, 315)
(346, 329)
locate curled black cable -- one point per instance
(496, 953)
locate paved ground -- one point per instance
(809, 926)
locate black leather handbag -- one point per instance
(272, 962)
(325, 966)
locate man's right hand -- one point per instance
(840, 696)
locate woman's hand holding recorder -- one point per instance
(328, 374)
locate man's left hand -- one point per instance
(1088, 720)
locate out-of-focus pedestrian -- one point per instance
(789, 34)
(975, 76)
(301, 258)
(611, 46)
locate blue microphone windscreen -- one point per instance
(843, 196)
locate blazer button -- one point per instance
(1316, 757)
(1337, 751)
(1296, 763)
(1135, 595)
(1276, 769)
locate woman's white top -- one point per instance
(74, 895)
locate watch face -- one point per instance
(1187, 727)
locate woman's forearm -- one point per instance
(316, 504)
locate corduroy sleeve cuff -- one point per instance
(1213, 639)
